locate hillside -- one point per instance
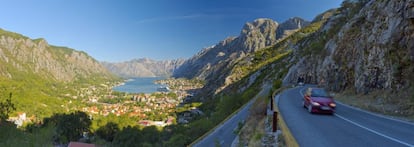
(41, 76)
(144, 68)
(214, 64)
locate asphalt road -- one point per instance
(224, 134)
(347, 127)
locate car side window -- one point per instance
(316, 93)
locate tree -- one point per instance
(178, 140)
(151, 134)
(6, 108)
(128, 137)
(108, 131)
(69, 127)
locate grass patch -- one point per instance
(254, 128)
(396, 105)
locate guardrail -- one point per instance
(287, 135)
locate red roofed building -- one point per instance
(80, 144)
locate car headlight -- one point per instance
(332, 104)
(315, 104)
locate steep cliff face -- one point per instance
(373, 50)
(144, 67)
(20, 56)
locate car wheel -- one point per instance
(310, 108)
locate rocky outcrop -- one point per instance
(23, 57)
(144, 67)
(257, 35)
(374, 50)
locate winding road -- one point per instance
(347, 127)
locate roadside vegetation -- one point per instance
(391, 104)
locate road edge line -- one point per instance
(373, 131)
(375, 114)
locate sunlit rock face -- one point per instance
(373, 49)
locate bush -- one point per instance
(6, 108)
(277, 84)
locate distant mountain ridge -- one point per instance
(144, 67)
(22, 55)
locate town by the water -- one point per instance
(159, 108)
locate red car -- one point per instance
(317, 100)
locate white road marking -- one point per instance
(375, 132)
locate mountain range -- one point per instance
(254, 35)
(144, 67)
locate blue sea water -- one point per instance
(140, 85)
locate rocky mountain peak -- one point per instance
(290, 26)
(258, 34)
(262, 25)
(294, 23)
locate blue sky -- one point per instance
(121, 30)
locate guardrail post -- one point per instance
(271, 103)
(274, 128)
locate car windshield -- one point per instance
(319, 93)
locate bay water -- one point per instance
(140, 85)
